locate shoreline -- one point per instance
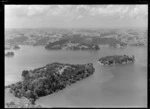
(61, 81)
(26, 101)
(123, 63)
(93, 78)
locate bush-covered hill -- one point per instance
(48, 79)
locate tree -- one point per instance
(28, 93)
(32, 101)
(25, 73)
(96, 47)
(11, 103)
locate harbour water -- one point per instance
(110, 86)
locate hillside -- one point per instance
(133, 37)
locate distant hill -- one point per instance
(42, 41)
(17, 40)
(101, 41)
(82, 36)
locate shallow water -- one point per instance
(115, 86)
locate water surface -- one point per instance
(115, 86)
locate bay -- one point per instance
(114, 86)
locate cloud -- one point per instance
(59, 10)
(139, 11)
(119, 10)
(37, 9)
(78, 17)
(107, 10)
(12, 11)
(77, 11)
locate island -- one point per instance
(9, 54)
(16, 47)
(116, 59)
(70, 45)
(49, 79)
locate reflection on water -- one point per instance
(120, 85)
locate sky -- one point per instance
(76, 16)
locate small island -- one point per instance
(9, 54)
(116, 59)
(16, 47)
(49, 79)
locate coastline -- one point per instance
(46, 104)
(123, 63)
(59, 79)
